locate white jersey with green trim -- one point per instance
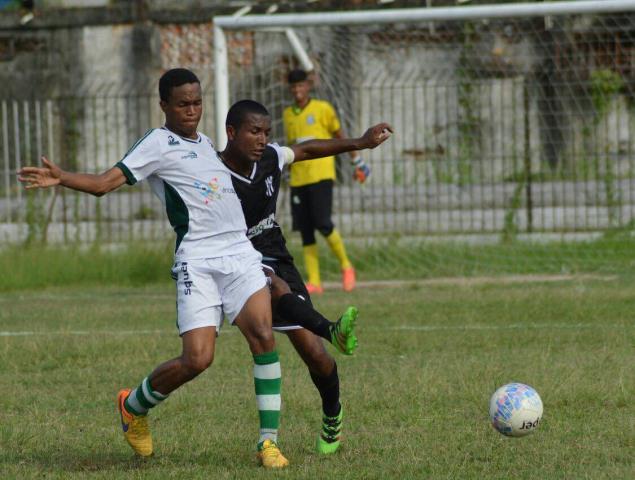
(196, 188)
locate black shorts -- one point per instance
(286, 270)
(311, 209)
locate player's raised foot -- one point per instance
(270, 455)
(348, 279)
(329, 439)
(135, 427)
(314, 289)
(343, 332)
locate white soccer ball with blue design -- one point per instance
(515, 409)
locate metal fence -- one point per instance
(507, 126)
(504, 124)
(418, 187)
(87, 133)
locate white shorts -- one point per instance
(207, 288)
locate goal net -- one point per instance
(513, 149)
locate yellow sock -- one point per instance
(337, 246)
(312, 264)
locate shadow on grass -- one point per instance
(70, 460)
(77, 461)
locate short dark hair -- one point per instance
(175, 78)
(297, 75)
(239, 110)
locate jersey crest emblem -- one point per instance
(310, 120)
(269, 186)
(173, 141)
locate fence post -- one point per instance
(527, 159)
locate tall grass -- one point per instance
(390, 259)
(32, 267)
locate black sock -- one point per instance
(329, 388)
(295, 310)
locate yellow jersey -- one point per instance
(317, 120)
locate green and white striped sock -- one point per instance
(267, 378)
(143, 398)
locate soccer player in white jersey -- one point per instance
(216, 268)
(256, 167)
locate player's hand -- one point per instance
(376, 135)
(48, 175)
(362, 171)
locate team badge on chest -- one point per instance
(269, 186)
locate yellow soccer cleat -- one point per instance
(135, 428)
(270, 455)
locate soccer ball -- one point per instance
(515, 409)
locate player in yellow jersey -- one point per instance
(312, 182)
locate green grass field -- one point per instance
(416, 393)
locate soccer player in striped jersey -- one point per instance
(256, 166)
(216, 268)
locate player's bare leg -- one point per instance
(254, 322)
(198, 354)
(133, 405)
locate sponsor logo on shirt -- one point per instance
(209, 191)
(173, 141)
(310, 119)
(189, 154)
(212, 190)
(269, 186)
(261, 226)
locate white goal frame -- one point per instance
(402, 15)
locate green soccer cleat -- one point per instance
(343, 332)
(329, 440)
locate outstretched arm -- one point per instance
(354, 154)
(310, 149)
(50, 175)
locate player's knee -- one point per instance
(308, 240)
(262, 333)
(326, 228)
(197, 363)
(260, 337)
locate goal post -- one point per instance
(405, 15)
(514, 127)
